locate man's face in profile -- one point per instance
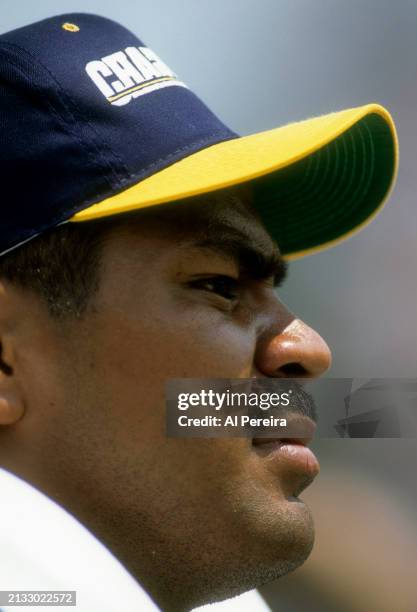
(185, 291)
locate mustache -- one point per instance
(301, 401)
(304, 402)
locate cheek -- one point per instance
(135, 350)
(185, 347)
(210, 349)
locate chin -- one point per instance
(285, 535)
(280, 542)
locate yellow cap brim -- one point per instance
(314, 182)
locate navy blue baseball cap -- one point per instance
(94, 123)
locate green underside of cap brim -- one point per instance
(332, 192)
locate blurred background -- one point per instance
(258, 64)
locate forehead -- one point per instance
(223, 215)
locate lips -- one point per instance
(290, 456)
(299, 430)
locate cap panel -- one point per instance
(77, 127)
(45, 165)
(123, 96)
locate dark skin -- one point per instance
(183, 293)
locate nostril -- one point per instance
(4, 367)
(293, 370)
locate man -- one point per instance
(139, 244)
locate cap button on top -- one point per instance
(70, 27)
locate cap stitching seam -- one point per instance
(107, 162)
(173, 154)
(65, 126)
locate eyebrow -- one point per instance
(254, 252)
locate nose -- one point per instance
(294, 350)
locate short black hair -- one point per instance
(61, 266)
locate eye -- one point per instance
(225, 286)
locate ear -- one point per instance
(11, 400)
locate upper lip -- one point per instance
(302, 426)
